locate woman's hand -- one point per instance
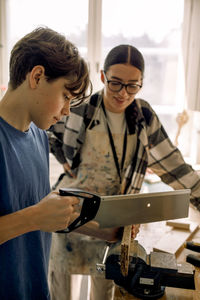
(135, 230)
(68, 170)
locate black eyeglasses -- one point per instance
(116, 86)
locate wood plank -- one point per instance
(179, 224)
(173, 241)
(125, 250)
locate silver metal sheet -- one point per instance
(121, 210)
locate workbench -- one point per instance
(148, 236)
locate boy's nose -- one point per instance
(66, 109)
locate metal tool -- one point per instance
(195, 261)
(192, 258)
(148, 275)
(101, 267)
(122, 210)
(194, 246)
(90, 206)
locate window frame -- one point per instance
(3, 46)
(94, 54)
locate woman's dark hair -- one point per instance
(59, 57)
(124, 54)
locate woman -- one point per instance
(105, 146)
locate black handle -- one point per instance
(193, 259)
(193, 246)
(77, 193)
(89, 208)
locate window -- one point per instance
(69, 18)
(153, 26)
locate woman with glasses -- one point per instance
(105, 146)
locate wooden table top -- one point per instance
(148, 236)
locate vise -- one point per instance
(148, 274)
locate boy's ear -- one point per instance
(35, 75)
(102, 77)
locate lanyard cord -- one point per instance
(119, 168)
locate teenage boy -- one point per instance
(46, 73)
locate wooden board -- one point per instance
(125, 250)
(176, 224)
(173, 241)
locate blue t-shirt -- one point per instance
(24, 181)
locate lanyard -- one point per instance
(119, 168)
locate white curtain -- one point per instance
(3, 48)
(191, 53)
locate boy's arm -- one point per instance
(52, 213)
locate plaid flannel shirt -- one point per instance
(154, 148)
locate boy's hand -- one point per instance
(54, 212)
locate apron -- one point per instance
(97, 173)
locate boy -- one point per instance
(46, 73)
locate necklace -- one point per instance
(118, 167)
